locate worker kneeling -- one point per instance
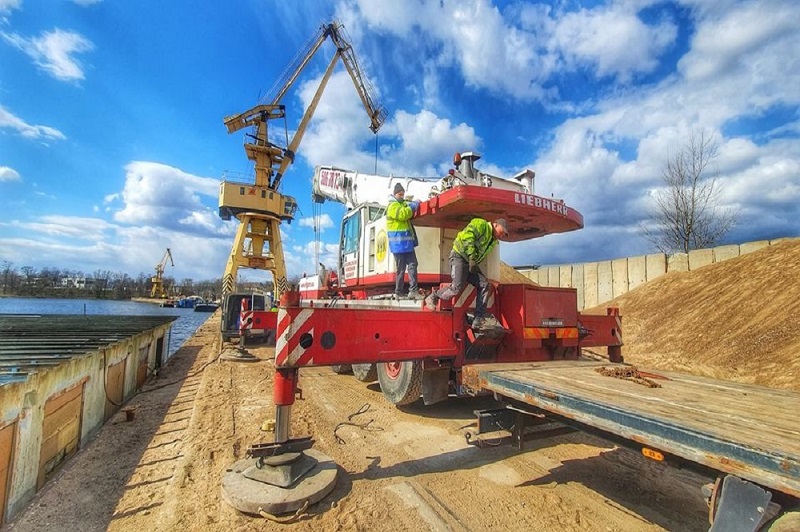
(471, 246)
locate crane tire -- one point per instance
(787, 522)
(401, 382)
(365, 372)
(342, 369)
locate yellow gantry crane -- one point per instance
(157, 280)
(259, 206)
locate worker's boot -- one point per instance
(431, 301)
(414, 295)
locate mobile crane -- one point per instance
(157, 289)
(259, 206)
(744, 435)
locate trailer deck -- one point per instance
(745, 430)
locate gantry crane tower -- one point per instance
(259, 206)
(157, 280)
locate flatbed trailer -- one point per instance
(736, 430)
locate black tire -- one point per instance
(342, 369)
(365, 372)
(788, 522)
(401, 382)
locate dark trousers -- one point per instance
(460, 274)
(402, 261)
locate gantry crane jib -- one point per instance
(258, 205)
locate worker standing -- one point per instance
(471, 246)
(402, 241)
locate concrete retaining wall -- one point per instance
(24, 403)
(600, 282)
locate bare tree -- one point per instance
(687, 214)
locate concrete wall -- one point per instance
(600, 282)
(25, 402)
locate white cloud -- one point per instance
(7, 5)
(519, 51)
(54, 52)
(164, 196)
(613, 40)
(723, 41)
(9, 174)
(410, 142)
(305, 258)
(321, 222)
(10, 121)
(81, 228)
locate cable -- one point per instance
(350, 423)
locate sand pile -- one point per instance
(737, 320)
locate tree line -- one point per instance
(27, 281)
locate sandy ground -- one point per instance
(411, 469)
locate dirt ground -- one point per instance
(410, 468)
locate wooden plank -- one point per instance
(61, 429)
(747, 430)
(56, 401)
(6, 449)
(115, 387)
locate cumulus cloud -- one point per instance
(81, 228)
(523, 49)
(411, 144)
(305, 258)
(320, 223)
(7, 5)
(54, 52)
(10, 121)
(9, 174)
(164, 196)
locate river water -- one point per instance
(185, 326)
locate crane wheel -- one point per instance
(787, 522)
(342, 369)
(365, 372)
(401, 382)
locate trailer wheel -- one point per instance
(401, 382)
(788, 522)
(365, 372)
(342, 369)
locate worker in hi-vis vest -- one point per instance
(471, 246)
(402, 241)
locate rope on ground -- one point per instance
(629, 373)
(299, 514)
(350, 423)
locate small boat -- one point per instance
(206, 307)
(169, 303)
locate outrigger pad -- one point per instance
(251, 496)
(740, 507)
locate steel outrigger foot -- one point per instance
(280, 484)
(284, 476)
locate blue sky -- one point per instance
(112, 144)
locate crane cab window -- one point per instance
(350, 233)
(376, 213)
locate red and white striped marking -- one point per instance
(288, 351)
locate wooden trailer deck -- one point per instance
(749, 431)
